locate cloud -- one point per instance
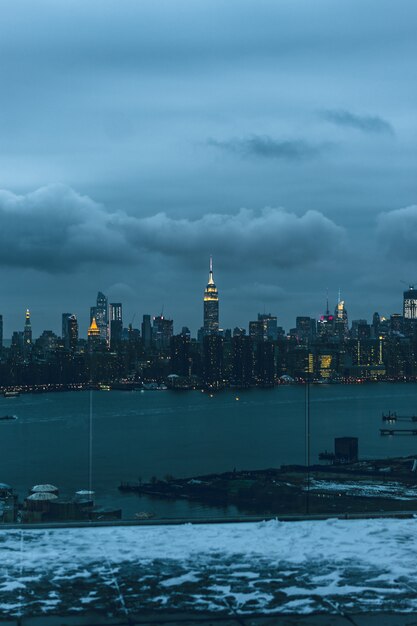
(272, 237)
(55, 229)
(397, 233)
(262, 292)
(364, 123)
(265, 147)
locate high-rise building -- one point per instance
(325, 324)
(17, 342)
(396, 323)
(1, 332)
(93, 334)
(146, 331)
(270, 328)
(100, 313)
(213, 361)
(64, 332)
(305, 328)
(211, 305)
(376, 323)
(410, 303)
(242, 361)
(116, 323)
(180, 355)
(27, 332)
(341, 327)
(265, 364)
(256, 331)
(71, 340)
(162, 331)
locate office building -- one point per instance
(162, 331)
(180, 355)
(269, 324)
(242, 361)
(146, 331)
(410, 303)
(213, 361)
(27, 332)
(211, 305)
(71, 340)
(116, 323)
(94, 337)
(100, 313)
(64, 325)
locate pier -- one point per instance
(398, 431)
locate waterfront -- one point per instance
(145, 434)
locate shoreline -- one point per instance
(108, 387)
(371, 486)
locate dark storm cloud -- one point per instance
(272, 236)
(397, 233)
(117, 100)
(55, 229)
(364, 123)
(266, 147)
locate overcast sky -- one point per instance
(136, 138)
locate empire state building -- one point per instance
(211, 305)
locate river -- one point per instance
(156, 433)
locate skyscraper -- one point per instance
(27, 332)
(270, 328)
(1, 332)
(325, 325)
(180, 355)
(211, 305)
(242, 361)
(213, 361)
(71, 339)
(162, 331)
(100, 313)
(410, 303)
(146, 330)
(341, 319)
(93, 334)
(116, 323)
(65, 317)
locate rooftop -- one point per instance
(314, 572)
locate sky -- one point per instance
(138, 138)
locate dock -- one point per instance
(398, 431)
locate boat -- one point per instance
(154, 387)
(8, 417)
(11, 394)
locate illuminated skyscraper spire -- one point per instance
(211, 305)
(93, 330)
(93, 334)
(211, 280)
(341, 318)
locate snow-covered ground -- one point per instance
(294, 567)
(387, 489)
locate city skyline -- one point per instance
(133, 146)
(105, 315)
